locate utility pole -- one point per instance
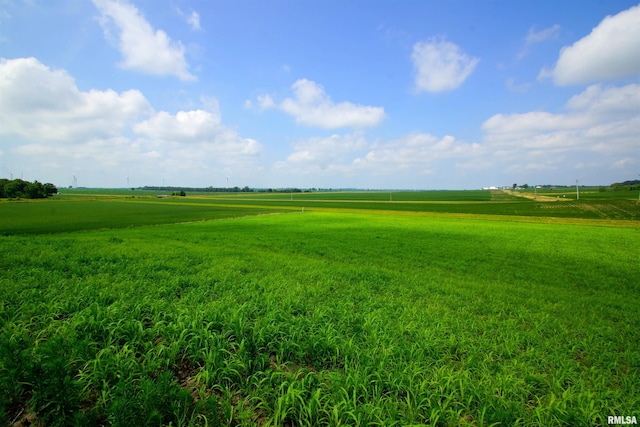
(577, 191)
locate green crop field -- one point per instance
(319, 309)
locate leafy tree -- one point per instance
(3, 182)
(31, 190)
(35, 190)
(15, 188)
(50, 189)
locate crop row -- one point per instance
(322, 319)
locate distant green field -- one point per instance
(79, 210)
(469, 195)
(440, 196)
(54, 216)
(589, 193)
(355, 312)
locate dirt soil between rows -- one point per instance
(532, 196)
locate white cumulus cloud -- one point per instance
(184, 125)
(611, 51)
(38, 103)
(323, 155)
(352, 155)
(46, 122)
(199, 127)
(602, 120)
(312, 106)
(440, 65)
(143, 49)
(417, 152)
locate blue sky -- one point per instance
(309, 93)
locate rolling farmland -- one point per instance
(405, 308)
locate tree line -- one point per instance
(19, 189)
(626, 185)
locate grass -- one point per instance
(78, 210)
(322, 318)
(469, 195)
(384, 196)
(55, 216)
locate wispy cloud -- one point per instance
(515, 87)
(534, 37)
(193, 19)
(143, 49)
